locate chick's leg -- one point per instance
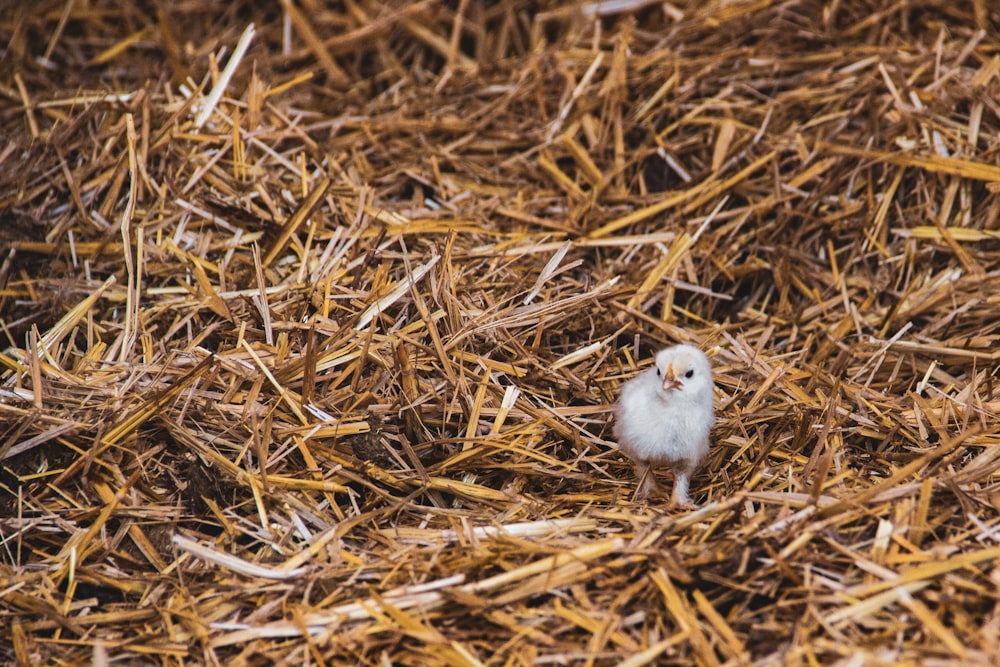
(647, 481)
(680, 497)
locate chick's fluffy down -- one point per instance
(664, 427)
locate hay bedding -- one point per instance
(310, 340)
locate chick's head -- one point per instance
(683, 370)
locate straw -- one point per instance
(312, 329)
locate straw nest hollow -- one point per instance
(313, 315)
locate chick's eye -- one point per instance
(689, 374)
(657, 372)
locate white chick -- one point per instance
(663, 417)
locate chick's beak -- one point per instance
(670, 381)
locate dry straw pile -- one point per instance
(312, 314)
